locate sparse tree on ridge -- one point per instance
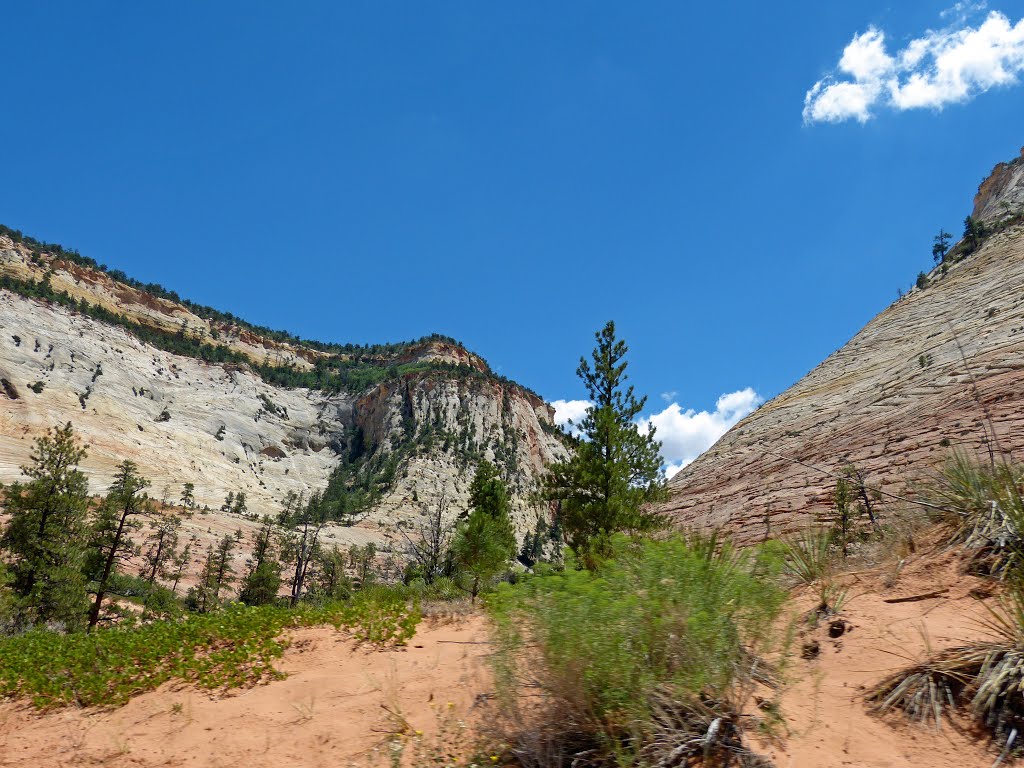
(940, 246)
(615, 471)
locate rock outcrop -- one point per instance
(893, 402)
(1002, 193)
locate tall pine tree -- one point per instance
(615, 471)
(110, 540)
(46, 533)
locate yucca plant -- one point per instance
(985, 678)
(986, 506)
(808, 555)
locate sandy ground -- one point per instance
(827, 723)
(340, 704)
(337, 705)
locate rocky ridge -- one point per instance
(223, 427)
(893, 401)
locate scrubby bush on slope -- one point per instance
(646, 655)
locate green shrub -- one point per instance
(664, 627)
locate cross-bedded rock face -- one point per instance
(894, 401)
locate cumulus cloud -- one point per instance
(949, 66)
(569, 410)
(684, 433)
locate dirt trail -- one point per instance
(330, 711)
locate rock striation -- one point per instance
(893, 402)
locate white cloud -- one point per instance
(686, 434)
(963, 9)
(865, 58)
(569, 410)
(949, 66)
(669, 396)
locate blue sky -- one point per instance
(515, 175)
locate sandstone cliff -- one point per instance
(894, 401)
(226, 426)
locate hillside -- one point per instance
(195, 395)
(893, 401)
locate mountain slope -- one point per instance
(197, 396)
(893, 401)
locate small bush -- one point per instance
(636, 657)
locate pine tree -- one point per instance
(263, 580)
(45, 534)
(481, 551)
(188, 495)
(615, 471)
(163, 544)
(940, 245)
(488, 494)
(181, 561)
(223, 576)
(303, 544)
(485, 541)
(200, 598)
(330, 582)
(109, 539)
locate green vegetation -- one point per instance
(485, 541)
(44, 540)
(603, 487)
(984, 505)
(639, 656)
(62, 552)
(115, 519)
(472, 552)
(231, 648)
